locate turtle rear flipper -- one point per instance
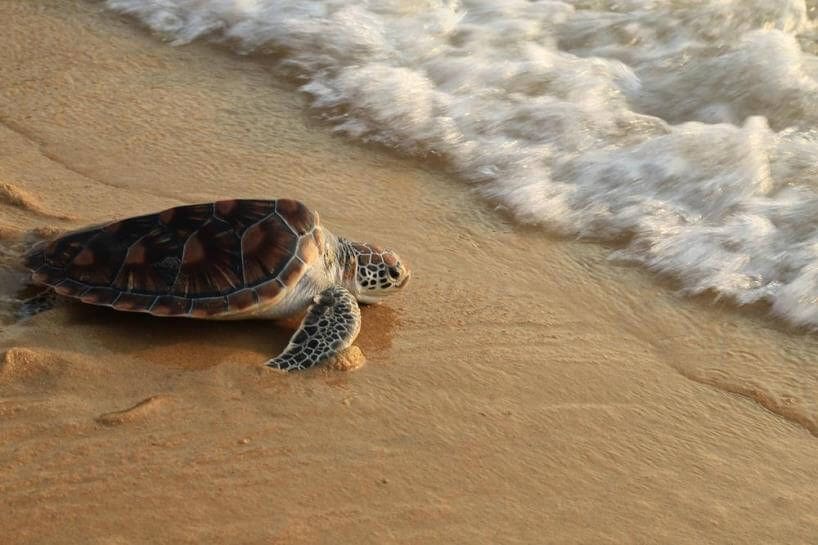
(45, 300)
(330, 326)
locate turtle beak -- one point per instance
(405, 280)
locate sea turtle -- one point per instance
(226, 260)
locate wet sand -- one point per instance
(523, 389)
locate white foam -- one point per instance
(688, 129)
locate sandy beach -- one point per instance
(523, 389)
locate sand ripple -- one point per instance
(139, 412)
(14, 196)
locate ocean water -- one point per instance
(686, 131)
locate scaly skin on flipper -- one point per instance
(330, 326)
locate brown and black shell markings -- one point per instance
(202, 260)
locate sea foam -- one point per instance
(685, 131)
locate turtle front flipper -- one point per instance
(331, 324)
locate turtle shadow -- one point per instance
(379, 323)
(199, 344)
(180, 342)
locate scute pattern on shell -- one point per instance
(199, 260)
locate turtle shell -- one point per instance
(202, 260)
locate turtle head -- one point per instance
(378, 272)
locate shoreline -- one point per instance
(523, 387)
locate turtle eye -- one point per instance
(394, 273)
